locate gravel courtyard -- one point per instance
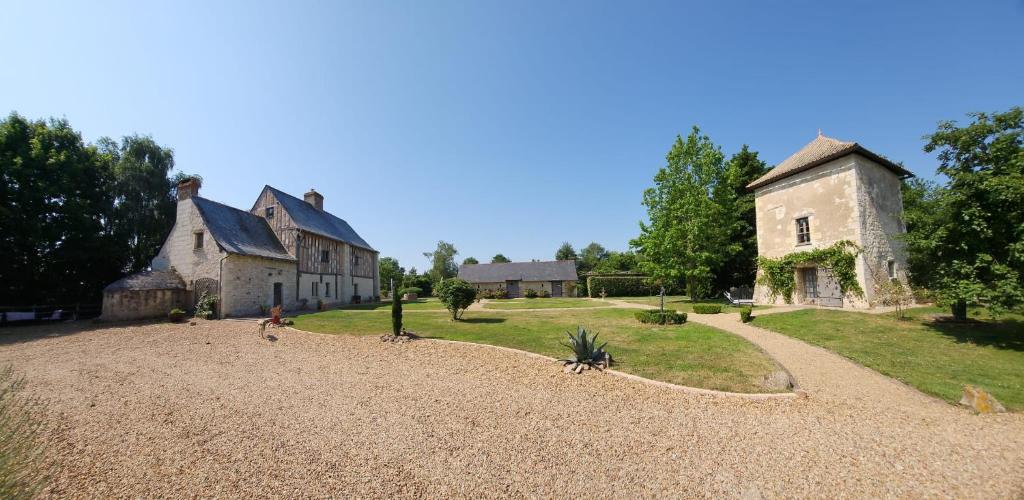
(213, 410)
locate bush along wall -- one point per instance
(779, 275)
(619, 286)
(745, 312)
(655, 316)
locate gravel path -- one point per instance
(212, 410)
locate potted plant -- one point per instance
(275, 315)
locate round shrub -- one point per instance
(655, 316)
(411, 289)
(745, 312)
(544, 294)
(176, 315)
(707, 308)
(530, 293)
(456, 295)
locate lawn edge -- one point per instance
(629, 376)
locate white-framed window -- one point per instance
(198, 242)
(803, 231)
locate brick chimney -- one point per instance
(188, 188)
(314, 198)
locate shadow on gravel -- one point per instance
(39, 331)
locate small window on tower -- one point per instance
(892, 269)
(325, 256)
(269, 212)
(199, 240)
(803, 231)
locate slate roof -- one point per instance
(822, 150)
(556, 270)
(240, 232)
(308, 218)
(148, 280)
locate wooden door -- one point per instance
(513, 289)
(829, 292)
(556, 288)
(810, 280)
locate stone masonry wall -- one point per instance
(249, 284)
(880, 199)
(178, 249)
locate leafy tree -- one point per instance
(470, 260)
(499, 259)
(740, 266)
(144, 199)
(421, 281)
(590, 257)
(442, 261)
(975, 242)
(56, 213)
(390, 271)
(618, 262)
(688, 233)
(456, 295)
(565, 252)
(922, 215)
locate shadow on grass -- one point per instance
(1001, 334)
(481, 321)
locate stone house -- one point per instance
(284, 251)
(826, 192)
(557, 277)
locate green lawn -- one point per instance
(936, 357)
(689, 354)
(428, 304)
(680, 303)
(539, 303)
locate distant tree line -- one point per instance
(75, 217)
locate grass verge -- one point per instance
(690, 354)
(549, 303)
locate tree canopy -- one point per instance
(966, 238)
(740, 266)
(688, 233)
(565, 252)
(442, 261)
(390, 271)
(470, 260)
(499, 259)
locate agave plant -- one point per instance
(586, 353)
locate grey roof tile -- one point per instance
(822, 150)
(148, 280)
(308, 218)
(240, 232)
(556, 270)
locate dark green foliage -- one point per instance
(966, 238)
(707, 308)
(565, 252)
(740, 266)
(442, 261)
(499, 259)
(206, 307)
(530, 293)
(745, 314)
(655, 316)
(420, 281)
(21, 457)
(411, 289)
(396, 315)
(544, 294)
(456, 295)
(779, 275)
(590, 257)
(619, 286)
(390, 271)
(585, 350)
(470, 261)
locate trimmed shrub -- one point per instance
(707, 308)
(619, 286)
(396, 315)
(176, 315)
(411, 289)
(530, 293)
(456, 295)
(501, 293)
(655, 316)
(544, 294)
(745, 312)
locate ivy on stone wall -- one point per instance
(779, 275)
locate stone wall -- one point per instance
(125, 305)
(249, 283)
(880, 199)
(179, 252)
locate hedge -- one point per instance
(707, 308)
(745, 314)
(618, 286)
(661, 318)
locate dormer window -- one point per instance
(803, 231)
(268, 212)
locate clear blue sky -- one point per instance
(499, 126)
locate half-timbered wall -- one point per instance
(310, 254)
(366, 263)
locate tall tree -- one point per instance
(687, 236)
(975, 242)
(390, 271)
(922, 215)
(470, 260)
(740, 267)
(499, 259)
(144, 202)
(442, 261)
(590, 256)
(565, 252)
(618, 262)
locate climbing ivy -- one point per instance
(779, 275)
